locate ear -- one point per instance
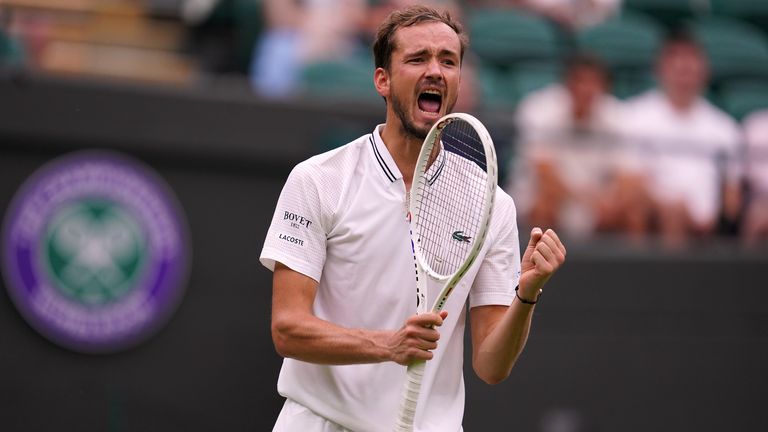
(381, 82)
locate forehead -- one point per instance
(678, 50)
(585, 72)
(432, 36)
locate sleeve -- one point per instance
(297, 234)
(499, 271)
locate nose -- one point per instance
(434, 70)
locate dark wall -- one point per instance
(623, 340)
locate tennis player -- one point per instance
(343, 308)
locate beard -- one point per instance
(409, 126)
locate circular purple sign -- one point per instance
(95, 251)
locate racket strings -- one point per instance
(451, 206)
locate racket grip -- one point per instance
(410, 397)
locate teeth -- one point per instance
(435, 92)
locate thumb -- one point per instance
(536, 235)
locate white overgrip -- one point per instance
(410, 397)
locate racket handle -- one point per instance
(410, 397)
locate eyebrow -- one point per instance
(444, 51)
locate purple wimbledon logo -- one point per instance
(95, 252)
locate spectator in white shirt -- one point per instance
(571, 170)
(689, 146)
(755, 226)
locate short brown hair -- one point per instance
(384, 44)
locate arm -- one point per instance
(499, 333)
(298, 333)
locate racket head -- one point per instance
(452, 196)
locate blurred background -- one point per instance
(637, 128)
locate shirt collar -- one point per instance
(382, 157)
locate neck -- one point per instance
(681, 103)
(404, 149)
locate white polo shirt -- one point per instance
(341, 220)
(682, 150)
(587, 157)
(756, 136)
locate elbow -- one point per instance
(492, 377)
(282, 338)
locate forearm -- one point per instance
(501, 347)
(314, 340)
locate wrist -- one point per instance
(382, 349)
(527, 298)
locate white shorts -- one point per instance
(295, 417)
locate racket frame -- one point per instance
(415, 372)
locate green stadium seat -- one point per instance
(627, 42)
(11, 51)
(627, 84)
(504, 89)
(739, 98)
(736, 49)
(340, 79)
(754, 11)
(249, 23)
(503, 37)
(669, 12)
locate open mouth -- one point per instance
(430, 101)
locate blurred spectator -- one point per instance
(574, 14)
(689, 146)
(379, 9)
(571, 172)
(192, 11)
(570, 14)
(11, 51)
(300, 32)
(755, 226)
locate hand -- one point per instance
(417, 338)
(544, 254)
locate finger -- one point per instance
(551, 242)
(418, 354)
(419, 333)
(536, 234)
(542, 265)
(552, 234)
(543, 248)
(428, 319)
(428, 334)
(427, 346)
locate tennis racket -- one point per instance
(450, 204)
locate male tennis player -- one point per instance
(344, 289)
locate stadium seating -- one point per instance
(626, 84)
(754, 11)
(669, 12)
(739, 98)
(505, 37)
(11, 52)
(626, 42)
(340, 79)
(735, 48)
(503, 89)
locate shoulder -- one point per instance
(756, 128)
(541, 106)
(334, 164)
(504, 206)
(649, 99)
(716, 115)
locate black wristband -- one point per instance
(528, 302)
